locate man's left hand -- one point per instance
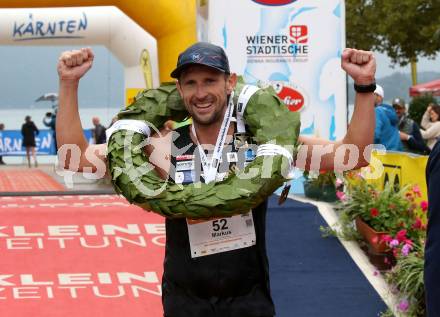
(359, 65)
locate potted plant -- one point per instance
(406, 279)
(320, 185)
(384, 218)
(400, 222)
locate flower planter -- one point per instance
(372, 237)
(324, 193)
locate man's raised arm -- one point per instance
(74, 151)
(352, 151)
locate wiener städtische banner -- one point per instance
(294, 45)
(11, 142)
(79, 256)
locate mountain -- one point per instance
(396, 85)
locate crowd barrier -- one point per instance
(400, 169)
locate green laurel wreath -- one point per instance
(267, 118)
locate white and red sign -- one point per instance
(293, 97)
(298, 43)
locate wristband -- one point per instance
(138, 126)
(365, 88)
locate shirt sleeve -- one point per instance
(432, 132)
(378, 127)
(416, 140)
(426, 122)
(36, 129)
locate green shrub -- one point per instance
(418, 105)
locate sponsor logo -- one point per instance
(184, 177)
(195, 57)
(32, 28)
(291, 46)
(299, 34)
(291, 96)
(274, 2)
(184, 165)
(184, 157)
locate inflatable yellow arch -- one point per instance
(171, 22)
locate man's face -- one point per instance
(377, 99)
(204, 91)
(400, 111)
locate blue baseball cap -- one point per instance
(202, 53)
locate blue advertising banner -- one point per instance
(11, 142)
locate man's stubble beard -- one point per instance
(215, 117)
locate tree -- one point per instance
(408, 30)
(418, 105)
(404, 29)
(361, 28)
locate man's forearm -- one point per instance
(361, 129)
(68, 125)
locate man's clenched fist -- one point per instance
(359, 65)
(72, 65)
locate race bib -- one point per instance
(221, 234)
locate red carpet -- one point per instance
(79, 256)
(27, 180)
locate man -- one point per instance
(432, 248)
(410, 135)
(233, 283)
(98, 132)
(386, 131)
(49, 121)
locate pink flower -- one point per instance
(386, 238)
(339, 182)
(374, 212)
(417, 224)
(424, 205)
(341, 195)
(408, 241)
(394, 243)
(401, 235)
(403, 305)
(416, 190)
(405, 249)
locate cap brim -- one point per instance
(176, 73)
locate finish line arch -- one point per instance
(171, 25)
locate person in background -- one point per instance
(98, 131)
(29, 130)
(2, 127)
(49, 121)
(410, 135)
(386, 131)
(431, 124)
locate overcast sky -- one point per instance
(27, 72)
(424, 65)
